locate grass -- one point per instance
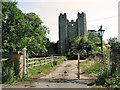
(9, 77)
(92, 68)
(44, 69)
(104, 78)
(68, 65)
(3, 59)
(35, 70)
(27, 85)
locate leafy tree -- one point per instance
(114, 43)
(36, 36)
(21, 30)
(93, 37)
(53, 48)
(83, 46)
(13, 24)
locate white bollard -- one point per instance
(24, 61)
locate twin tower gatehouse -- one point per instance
(68, 31)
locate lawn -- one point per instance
(44, 69)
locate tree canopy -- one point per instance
(83, 46)
(81, 43)
(114, 43)
(93, 37)
(21, 30)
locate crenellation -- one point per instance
(72, 21)
(65, 14)
(69, 30)
(81, 15)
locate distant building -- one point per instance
(68, 31)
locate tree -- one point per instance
(53, 48)
(36, 36)
(114, 43)
(83, 46)
(13, 23)
(93, 37)
(21, 30)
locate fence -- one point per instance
(115, 58)
(40, 62)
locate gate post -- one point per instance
(24, 61)
(109, 68)
(27, 65)
(52, 60)
(78, 64)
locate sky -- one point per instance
(98, 12)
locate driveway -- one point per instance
(64, 76)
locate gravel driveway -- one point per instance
(64, 76)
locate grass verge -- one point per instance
(92, 68)
(104, 78)
(45, 69)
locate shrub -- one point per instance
(110, 80)
(114, 80)
(8, 75)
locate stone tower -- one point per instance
(69, 30)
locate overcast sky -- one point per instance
(98, 12)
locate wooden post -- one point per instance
(109, 68)
(108, 58)
(78, 64)
(47, 61)
(34, 61)
(24, 61)
(27, 65)
(40, 62)
(52, 60)
(44, 61)
(104, 60)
